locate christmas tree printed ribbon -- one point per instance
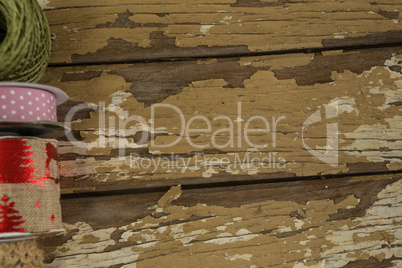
(29, 185)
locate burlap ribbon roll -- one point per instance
(29, 186)
(20, 254)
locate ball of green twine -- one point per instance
(25, 48)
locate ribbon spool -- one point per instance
(29, 187)
(24, 41)
(21, 254)
(30, 109)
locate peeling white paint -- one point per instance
(82, 253)
(370, 139)
(107, 259)
(298, 223)
(284, 229)
(232, 239)
(44, 4)
(221, 228)
(226, 19)
(147, 244)
(308, 253)
(162, 229)
(340, 35)
(242, 231)
(187, 238)
(346, 105)
(148, 237)
(344, 240)
(205, 29)
(209, 172)
(246, 257)
(176, 229)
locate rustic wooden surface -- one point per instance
(366, 83)
(98, 31)
(349, 222)
(120, 59)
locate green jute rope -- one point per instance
(25, 50)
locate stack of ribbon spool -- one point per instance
(29, 180)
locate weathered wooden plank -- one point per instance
(349, 222)
(132, 30)
(358, 92)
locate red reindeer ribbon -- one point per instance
(29, 189)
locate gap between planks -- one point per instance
(237, 55)
(165, 188)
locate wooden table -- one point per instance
(234, 133)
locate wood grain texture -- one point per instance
(366, 86)
(349, 222)
(100, 31)
(326, 76)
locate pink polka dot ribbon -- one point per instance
(25, 102)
